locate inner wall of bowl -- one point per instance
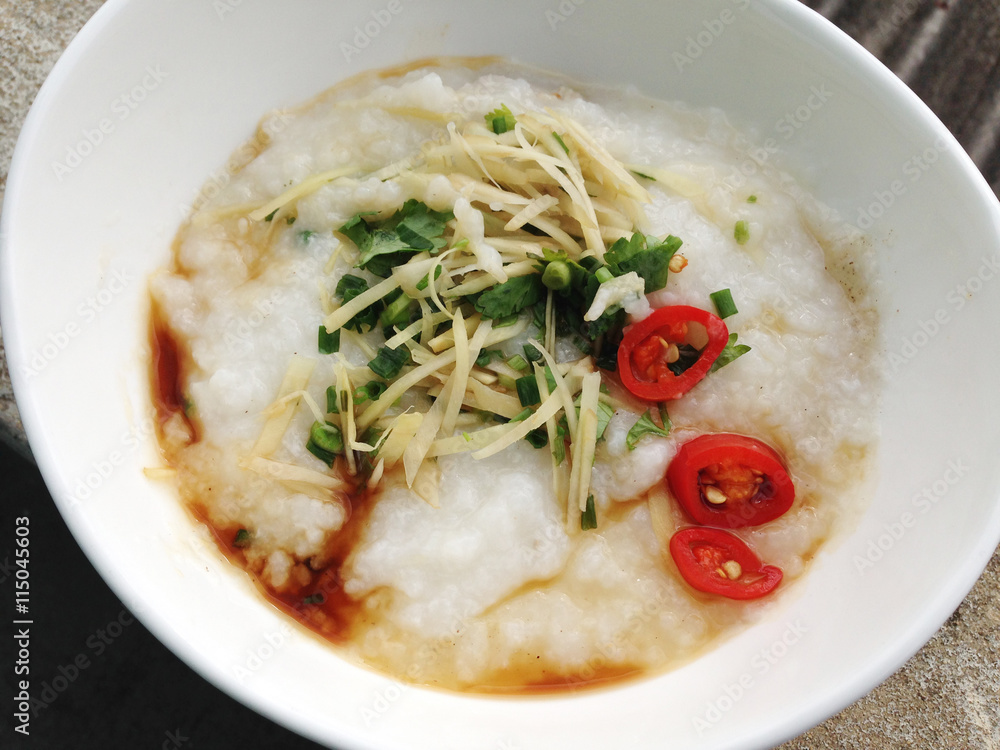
(176, 87)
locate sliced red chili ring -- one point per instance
(730, 481)
(717, 562)
(650, 356)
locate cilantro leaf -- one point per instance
(420, 228)
(382, 245)
(731, 352)
(646, 426)
(647, 256)
(511, 297)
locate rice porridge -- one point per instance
(424, 361)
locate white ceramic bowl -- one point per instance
(155, 94)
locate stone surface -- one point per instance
(948, 695)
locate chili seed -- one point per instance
(732, 569)
(715, 496)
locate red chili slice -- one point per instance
(650, 346)
(717, 562)
(730, 481)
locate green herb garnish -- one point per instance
(383, 245)
(741, 232)
(527, 390)
(646, 426)
(731, 352)
(349, 287)
(510, 297)
(518, 362)
(500, 120)
(329, 343)
(588, 519)
(332, 400)
(723, 301)
(389, 362)
(648, 256)
(325, 441)
(242, 539)
(370, 391)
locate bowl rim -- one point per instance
(831, 700)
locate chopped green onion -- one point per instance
(518, 362)
(424, 282)
(646, 426)
(332, 402)
(559, 448)
(752, 199)
(305, 235)
(397, 313)
(325, 441)
(506, 381)
(561, 142)
(370, 391)
(588, 520)
(550, 379)
(531, 353)
(637, 173)
(290, 220)
(500, 120)
(527, 390)
(523, 415)
(741, 232)
(723, 301)
(557, 276)
(389, 362)
(603, 274)
(242, 539)
(270, 215)
(538, 438)
(329, 342)
(486, 356)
